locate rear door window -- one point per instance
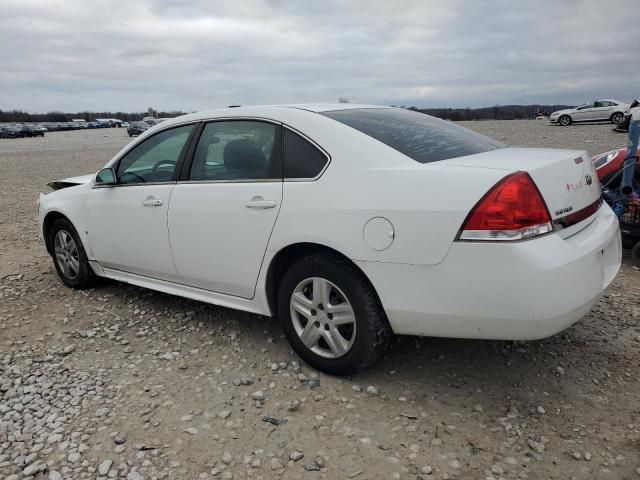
(421, 137)
(302, 159)
(237, 150)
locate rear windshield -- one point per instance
(421, 137)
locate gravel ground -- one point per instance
(122, 382)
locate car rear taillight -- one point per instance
(512, 210)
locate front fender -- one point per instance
(70, 203)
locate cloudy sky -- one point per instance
(127, 55)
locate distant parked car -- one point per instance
(136, 128)
(28, 131)
(8, 132)
(35, 130)
(596, 111)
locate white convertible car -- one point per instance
(348, 222)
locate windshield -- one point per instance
(421, 137)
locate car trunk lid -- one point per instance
(566, 180)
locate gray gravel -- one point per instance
(122, 382)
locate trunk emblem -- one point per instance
(588, 179)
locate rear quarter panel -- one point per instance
(426, 204)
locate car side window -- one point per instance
(302, 160)
(155, 159)
(601, 104)
(237, 150)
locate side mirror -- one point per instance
(106, 176)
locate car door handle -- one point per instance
(152, 202)
(259, 202)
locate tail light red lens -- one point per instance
(512, 210)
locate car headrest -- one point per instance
(243, 154)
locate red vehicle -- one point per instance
(609, 163)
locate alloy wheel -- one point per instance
(323, 317)
(67, 255)
(564, 121)
(616, 118)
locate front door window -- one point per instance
(155, 159)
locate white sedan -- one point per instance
(347, 222)
(596, 111)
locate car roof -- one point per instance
(328, 107)
(265, 111)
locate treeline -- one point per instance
(497, 112)
(20, 116)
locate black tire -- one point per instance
(564, 120)
(85, 278)
(616, 118)
(372, 330)
(635, 254)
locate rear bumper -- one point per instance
(519, 291)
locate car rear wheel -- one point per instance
(69, 256)
(331, 315)
(564, 120)
(616, 118)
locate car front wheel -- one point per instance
(69, 256)
(331, 315)
(564, 120)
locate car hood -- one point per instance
(71, 181)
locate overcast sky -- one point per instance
(119, 55)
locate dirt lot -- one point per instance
(122, 382)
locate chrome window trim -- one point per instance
(241, 180)
(119, 185)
